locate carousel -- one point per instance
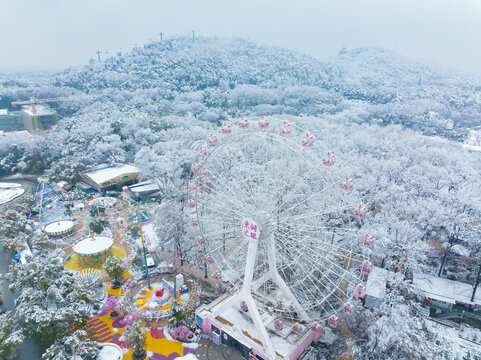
(59, 228)
(93, 251)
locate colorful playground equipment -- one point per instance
(143, 216)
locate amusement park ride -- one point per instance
(45, 198)
(277, 224)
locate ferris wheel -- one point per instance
(277, 218)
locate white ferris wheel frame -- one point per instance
(249, 285)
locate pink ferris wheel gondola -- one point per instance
(218, 276)
(346, 183)
(200, 240)
(202, 152)
(194, 221)
(366, 267)
(360, 212)
(191, 203)
(192, 185)
(297, 329)
(360, 291)
(264, 122)
(329, 159)
(243, 123)
(243, 306)
(333, 321)
(208, 259)
(212, 139)
(226, 129)
(278, 325)
(366, 240)
(308, 140)
(348, 309)
(231, 290)
(286, 128)
(205, 175)
(195, 168)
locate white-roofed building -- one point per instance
(145, 189)
(105, 177)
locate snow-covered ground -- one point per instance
(187, 357)
(455, 347)
(9, 191)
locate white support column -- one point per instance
(274, 274)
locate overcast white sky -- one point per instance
(53, 34)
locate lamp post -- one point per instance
(143, 242)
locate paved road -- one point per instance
(207, 350)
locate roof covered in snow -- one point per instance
(41, 110)
(106, 173)
(95, 245)
(144, 186)
(377, 280)
(446, 290)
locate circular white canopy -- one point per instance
(89, 246)
(110, 351)
(59, 227)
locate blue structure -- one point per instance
(45, 198)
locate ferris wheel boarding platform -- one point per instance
(235, 327)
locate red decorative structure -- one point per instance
(346, 183)
(360, 291)
(263, 122)
(244, 123)
(308, 140)
(360, 212)
(366, 240)
(329, 159)
(159, 293)
(286, 128)
(348, 309)
(212, 139)
(226, 129)
(333, 321)
(366, 267)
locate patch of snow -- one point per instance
(9, 191)
(187, 357)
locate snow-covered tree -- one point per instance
(78, 345)
(114, 266)
(11, 335)
(135, 335)
(51, 298)
(393, 330)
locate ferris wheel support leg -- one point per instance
(274, 275)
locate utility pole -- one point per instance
(98, 54)
(476, 284)
(160, 36)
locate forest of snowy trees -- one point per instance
(154, 105)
